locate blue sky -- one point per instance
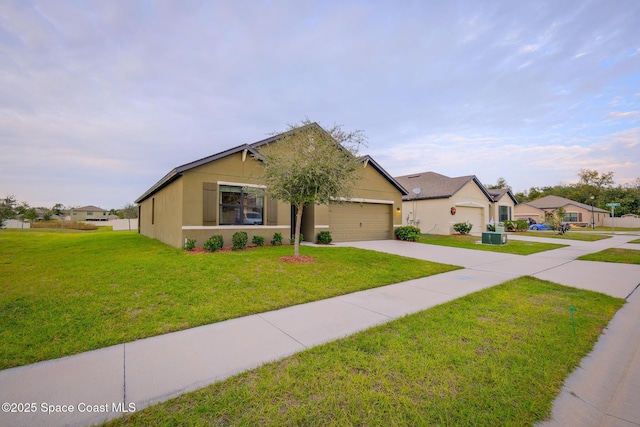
(99, 100)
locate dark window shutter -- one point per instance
(272, 212)
(209, 203)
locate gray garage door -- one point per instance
(360, 221)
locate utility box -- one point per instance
(493, 238)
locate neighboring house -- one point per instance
(223, 194)
(88, 213)
(435, 202)
(577, 213)
(504, 202)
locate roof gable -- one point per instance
(253, 149)
(555, 202)
(89, 208)
(499, 193)
(432, 185)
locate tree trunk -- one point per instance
(296, 237)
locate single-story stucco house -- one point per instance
(575, 212)
(223, 193)
(435, 202)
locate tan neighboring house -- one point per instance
(88, 213)
(223, 194)
(435, 202)
(576, 213)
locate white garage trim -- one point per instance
(470, 204)
(359, 200)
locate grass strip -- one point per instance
(570, 235)
(518, 247)
(495, 357)
(64, 293)
(624, 256)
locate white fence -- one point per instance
(118, 224)
(15, 223)
(626, 222)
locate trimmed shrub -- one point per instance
(239, 240)
(258, 240)
(214, 243)
(324, 237)
(517, 225)
(509, 225)
(293, 239)
(277, 239)
(190, 244)
(463, 227)
(408, 232)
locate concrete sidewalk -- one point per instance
(102, 384)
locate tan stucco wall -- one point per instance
(167, 215)
(494, 211)
(377, 187)
(227, 169)
(522, 211)
(435, 214)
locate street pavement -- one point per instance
(99, 385)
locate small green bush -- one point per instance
(190, 244)
(491, 227)
(408, 232)
(324, 237)
(509, 225)
(239, 240)
(517, 225)
(214, 243)
(258, 240)
(293, 239)
(277, 239)
(463, 227)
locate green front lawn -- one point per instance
(625, 256)
(495, 357)
(518, 247)
(569, 235)
(63, 293)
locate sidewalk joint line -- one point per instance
(365, 308)
(632, 291)
(124, 373)
(290, 336)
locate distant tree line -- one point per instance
(592, 187)
(10, 208)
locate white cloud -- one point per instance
(89, 91)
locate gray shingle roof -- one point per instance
(251, 148)
(432, 185)
(554, 202)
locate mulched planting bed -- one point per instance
(301, 259)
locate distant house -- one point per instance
(88, 213)
(575, 212)
(435, 202)
(223, 194)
